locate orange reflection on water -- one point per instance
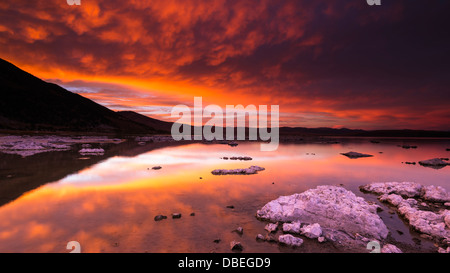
(110, 207)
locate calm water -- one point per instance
(108, 205)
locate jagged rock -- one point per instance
(290, 240)
(271, 227)
(321, 239)
(388, 248)
(293, 227)
(329, 206)
(355, 155)
(236, 246)
(312, 231)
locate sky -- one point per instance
(326, 63)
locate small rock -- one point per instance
(321, 239)
(271, 238)
(176, 215)
(290, 240)
(236, 246)
(442, 250)
(156, 168)
(433, 162)
(217, 241)
(447, 204)
(239, 230)
(410, 163)
(293, 227)
(192, 214)
(260, 237)
(230, 207)
(160, 217)
(388, 248)
(436, 194)
(271, 227)
(312, 231)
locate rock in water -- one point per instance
(430, 223)
(388, 248)
(433, 162)
(271, 227)
(290, 240)
(331, 207)
(176, 215)
(293, 227)
(87, 151)
(312, 231)
(249, 170)
(405, 189)
(436, 194)
(160, 217)
(355, 155)
(236, 246)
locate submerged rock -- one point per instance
(249, 170)
(290, 240)
(330, 207)
(355, 155)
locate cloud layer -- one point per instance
(326, 63)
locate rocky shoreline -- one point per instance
(338, 217)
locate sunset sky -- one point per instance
(327, 63)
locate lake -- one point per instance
(108, 203)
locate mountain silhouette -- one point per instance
(30, 104)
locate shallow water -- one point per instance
(109, 204)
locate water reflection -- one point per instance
(110, 206)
